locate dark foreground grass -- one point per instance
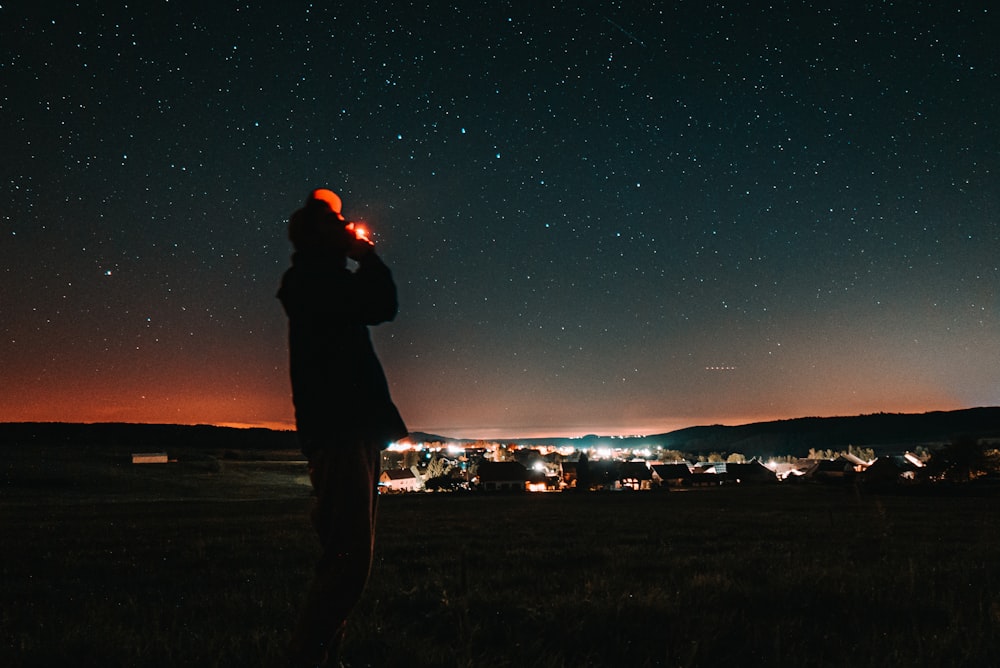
(204, 564)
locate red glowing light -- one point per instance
(360, 232)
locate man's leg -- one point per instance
(344, 477)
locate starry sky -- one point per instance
(602, 217)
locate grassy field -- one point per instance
(203, 563)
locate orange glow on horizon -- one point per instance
(654, 427)
(204, 405)
(243, 401)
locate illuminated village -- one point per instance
(495, 467)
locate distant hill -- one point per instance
(883, 432)
(144, 436)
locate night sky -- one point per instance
(603, 217)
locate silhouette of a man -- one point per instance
(343, 411)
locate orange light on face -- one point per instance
(360, 231)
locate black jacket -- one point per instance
(338, 386)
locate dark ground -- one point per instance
(203, 563)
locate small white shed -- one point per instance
(149, 458)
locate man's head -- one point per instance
(319, 225)
(331, 199)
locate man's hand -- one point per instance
(360, 248)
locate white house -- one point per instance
(398, 480)
(149, 458)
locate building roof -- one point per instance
(636, 470)
(502, 471)
(398, 474)
(751, 472)
(672, 471)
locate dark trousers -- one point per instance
(344, 476)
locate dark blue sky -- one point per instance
(601, 218)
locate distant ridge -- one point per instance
(882, 432)
(144, 436)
